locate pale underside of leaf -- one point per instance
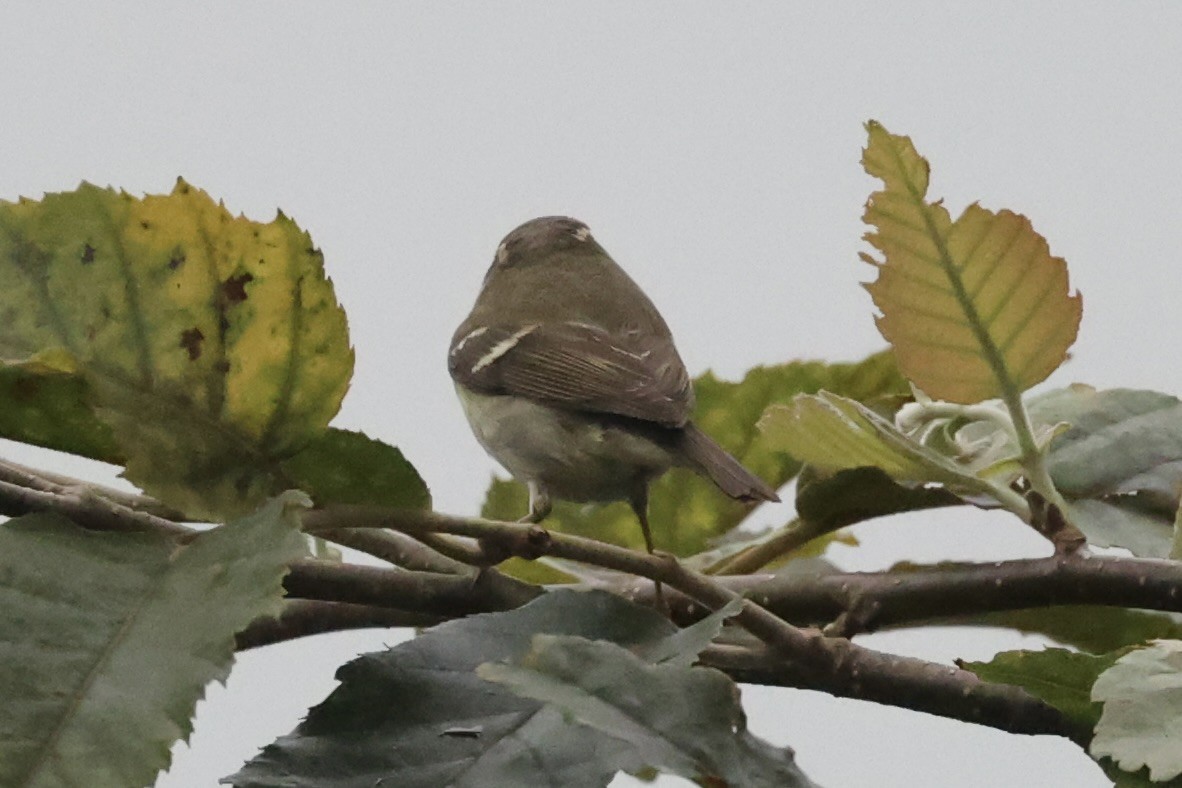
(1141, 724)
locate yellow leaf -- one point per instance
(975, 309)
(211, 344)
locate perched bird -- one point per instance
(569, 378)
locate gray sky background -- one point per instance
(712, 148)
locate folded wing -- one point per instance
(577, 366)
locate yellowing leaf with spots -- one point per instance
(975, 309)
(212, 345)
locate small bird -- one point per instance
(569, 378)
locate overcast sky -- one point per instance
(712, 148)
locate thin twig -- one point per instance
(795, 535)
(395, 548)
(86, 509)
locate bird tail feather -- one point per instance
(732, 478)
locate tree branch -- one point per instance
(302, 617)
(908, 683)
(835, 665)
(328, 596)
(872, 600)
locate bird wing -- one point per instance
(577, 366)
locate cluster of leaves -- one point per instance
(206, 354)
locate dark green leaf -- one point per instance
(1090, 628)
(108, 640)
(418, 715)
(677, 718)
(837, 499)
(683, 646)
(1124, 521)
(1121, 441)
(345, 467)
(1060, 677)
(48, 407)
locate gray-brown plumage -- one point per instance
(570, 378)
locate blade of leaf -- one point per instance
(1090, 628)
(1060, 677)
(345, 467)
(1123, 522)
(832, 500)
(104, 627)
(1142, 720)
(212, 346)
(974, 309)
(680, 719)
(683, 646)
(418, 716)
(833, 433)
(49, 407)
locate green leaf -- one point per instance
(1142, 720)
(1123, 522)
(418, 715)
(686, 511)
(835, 499)
(676, 718)
(1138, 779)
(1115, 455)
(834, 433)
(211, 345)
(683, 646)
(345, 467)
(1121, 441)
(1091, 628)
(109, 639)
(48, 407)
(976, 308)
(1060, 677)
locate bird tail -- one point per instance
(706, 456)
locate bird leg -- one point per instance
(639, 503)
(540, 504)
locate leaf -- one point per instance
(1060, 677)
(1142, 720)
(1091, 628)
(1123, 522)
(680, 719)
(834, 433)
(974, 309)
(345, 467)
(45, 406)
(1121, 441)
(687, 511)
(212, 346)
(1115, 455)
(48, 407)
(835, 499)
(418, 715)
(1137, 779)
(683, 646)
(108, 639)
